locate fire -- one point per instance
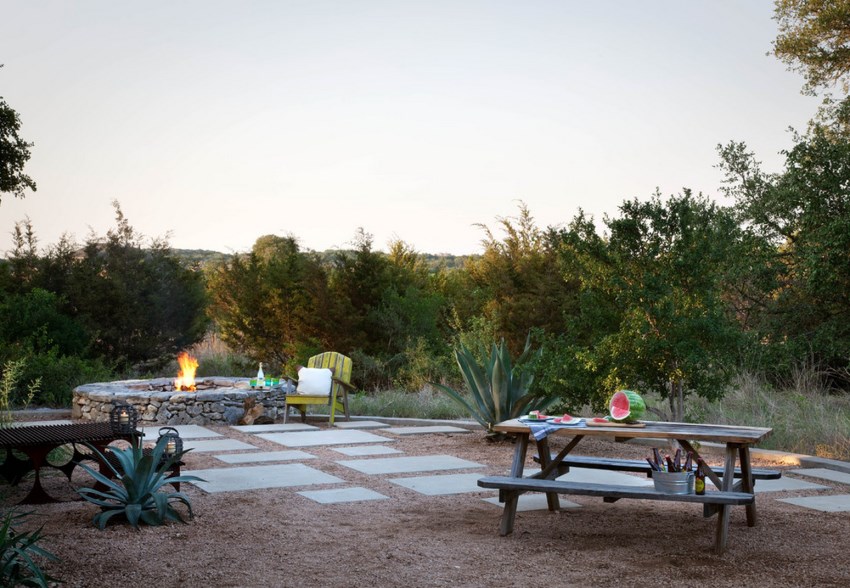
(186, 376)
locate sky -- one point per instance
(215, 122)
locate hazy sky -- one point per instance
(216, 122)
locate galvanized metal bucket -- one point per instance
(674, 482)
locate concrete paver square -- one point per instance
(603, 477)
(259, 456)
(784, 484)
(834, 503)
(204, 446)
(340, 495)
(824, 474)
(323, 437)
(427, 430)
(185, 432)
(533, 501)
(274, 428)
(359, 425)
(264, 476)
(406, 465)
(361, 450)
(443, 484)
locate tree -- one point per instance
(814, 40)
(271, 303)
(803, 213)
(654, 290)
(518, 283)
(14, 153)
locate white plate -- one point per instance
(571, 421)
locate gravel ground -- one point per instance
(277, 538)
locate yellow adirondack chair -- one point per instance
(336, 397)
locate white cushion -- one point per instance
(314, 381)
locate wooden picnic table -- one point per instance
(37, 441)
(738, 441)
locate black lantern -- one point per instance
(173, 442)
(123, 418)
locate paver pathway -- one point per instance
(372, 449)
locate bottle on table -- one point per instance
(261, 377)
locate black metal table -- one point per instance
(37, 441)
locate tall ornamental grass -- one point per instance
(808, 419)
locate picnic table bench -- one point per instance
(730, 492)
(608, 492)
(37, 441)
(642, 467)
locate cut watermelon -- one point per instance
(626, 406)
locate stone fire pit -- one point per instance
(217, 401)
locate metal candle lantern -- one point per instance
(173, 442)
(123, 418)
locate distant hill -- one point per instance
(204, 257)
(201, 257)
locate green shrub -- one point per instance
(136, 492)
(19, 551)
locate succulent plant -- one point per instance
(137, 491)
(498, 389)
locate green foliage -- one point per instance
(141, 304)
(566, 371)
(137, 491)
(35, 320)
(135, 304)
(802, 273)
(652, 296)
(267, 303)
(498, 389)
(813, 40)
(518, 282)
(14, 153)
(19, 552)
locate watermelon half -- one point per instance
(626, 405)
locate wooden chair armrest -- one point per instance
(348, 387)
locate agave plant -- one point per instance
(499, 389)
(17, 552)
(137, 491)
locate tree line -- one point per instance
(670, 294)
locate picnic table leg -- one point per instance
(725, 510)
(545, 458)
(747, 483)
(511, 498)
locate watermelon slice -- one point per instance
(626, 406)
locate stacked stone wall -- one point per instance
(224, 404)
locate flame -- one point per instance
(186, 376)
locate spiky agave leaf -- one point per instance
(499, 389)
(137, 493)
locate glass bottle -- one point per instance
(261, 377)
(699, 479)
